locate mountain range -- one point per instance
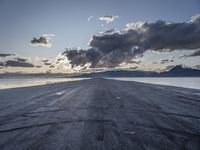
(176, 71)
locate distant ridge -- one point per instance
(177, 71)
(181, 71)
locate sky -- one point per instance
(39, 30)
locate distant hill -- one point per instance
(180, 71)
(177, 71)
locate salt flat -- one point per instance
(99, 114)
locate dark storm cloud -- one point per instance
(110, 31)
(14, 63)
(22, 59)
(158, 36)
(1, 64)
(163, 61)
(82, 57)
(98, 58)
(60, 59)
(107, 43)
(40, 40)
(47, 64)
(6, 55)
(133, 68)
(111, 48)
(43, 40)
(52, 66)
(172, 36)
(38, 66)
(45, 60)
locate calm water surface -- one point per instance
(25, 82)
(187, 82)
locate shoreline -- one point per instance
(184, 82)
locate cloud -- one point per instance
(44, 60)
(43, 40)
(6, 55)
(47, 64)
(194, 54)
(165, 36)
(81, 57)
(1, 64)
(97, 58)
(21, 59)
(157, 36)
(108, 18)
(169, 67)
(110, 31)
(38, 66)
(195, 18)
(15, 63)
(197, 66)
(90, 18)
(27, 64)
(163, 61)
(136, 62)
(52, 66)
(112, 48)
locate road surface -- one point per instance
(99, 114)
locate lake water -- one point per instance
(6, 83)
(187, 82)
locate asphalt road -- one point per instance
(98, 114)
